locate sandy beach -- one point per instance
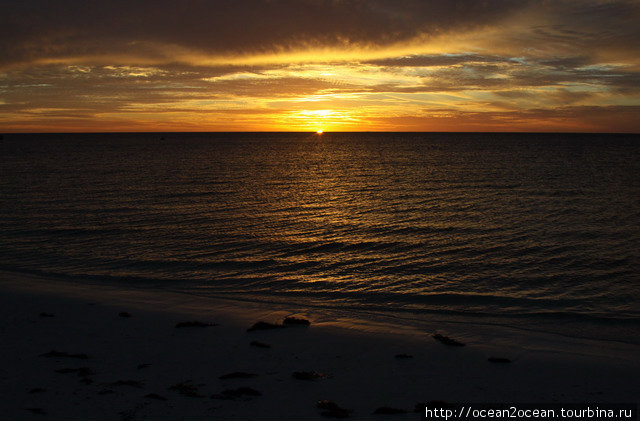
(73, 351)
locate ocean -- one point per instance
(530, 231)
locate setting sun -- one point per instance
(319, 131)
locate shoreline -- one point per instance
(476, 329)
(358, 363)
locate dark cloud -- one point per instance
(136, 80)
(565, 63)
(43, 29)
(38, 29)
(82, 61)
(594, 28)
(561, 95)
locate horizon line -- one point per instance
(314, 132)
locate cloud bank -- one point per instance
(337, 64)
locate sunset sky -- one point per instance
(336, 65)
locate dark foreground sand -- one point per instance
(143, 367)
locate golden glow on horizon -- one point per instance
(310, 120)
(482, 79)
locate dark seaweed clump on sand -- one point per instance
(264, 326)
(295, 321)
(447, 340)
(308, 375)
(259, 344)
(186, 389)
(332, 409)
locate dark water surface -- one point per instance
(519, 226)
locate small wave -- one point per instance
(463, 223)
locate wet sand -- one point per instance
(72, 351)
